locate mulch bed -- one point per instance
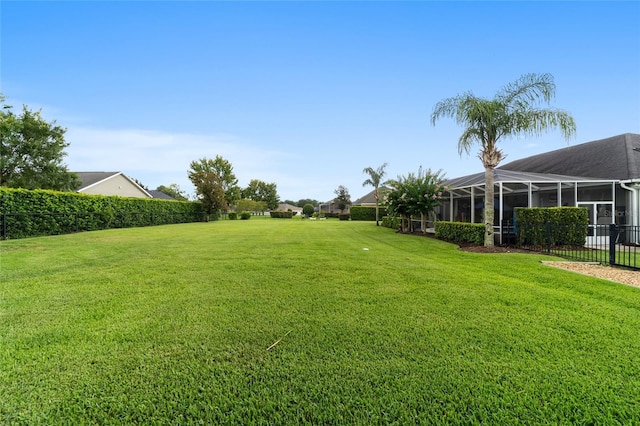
(473, 248)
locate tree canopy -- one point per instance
(415, 194)
(343, 198)
(215, 183)
(258, 190)
(32, 152)
(513, 111)
(174, 191)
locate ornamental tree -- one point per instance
(415, 194)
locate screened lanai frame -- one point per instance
(463, 200)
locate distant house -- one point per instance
(602, 176)
(331, 207)
(370, 198)
(110, 183)
(286, 207)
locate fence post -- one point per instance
(613, 234)
(548, 225)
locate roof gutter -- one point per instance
(633, 185)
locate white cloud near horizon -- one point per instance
(162, 158)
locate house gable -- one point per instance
(110, 183)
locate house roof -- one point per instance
(617, 158)
(161, 195)
(370, 197)
(89, 179)
(508, 176)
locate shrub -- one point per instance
(366, 212)
(233, 215)
(279, 214)
(245, 216)
(308, 210)
(28, 213)
(552, 225)
(392, 222)
(344, 216)
(460, 232)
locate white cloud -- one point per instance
(161, 158)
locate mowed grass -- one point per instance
(172, 325)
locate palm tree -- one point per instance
(513, 111)
(375, 176)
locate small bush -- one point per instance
(392, 222)
(344, 216)
(460, 232)
(308, 210)
(245, 216)
(233, 216)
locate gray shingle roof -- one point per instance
(91, 178)
(370, 197)
(617, 158)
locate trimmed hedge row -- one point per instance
(29, 213)
(460, 232)
(552, 225)
(366, 212)
(281, 214)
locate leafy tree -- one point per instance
(415, 194)
(258, 190)
(303, 201)
(31, 152)
(343, 198)
(375, 178)
(216, 185)
(513, 111)
(173, 191)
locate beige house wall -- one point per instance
(116, 185)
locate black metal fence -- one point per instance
(613, 244)
(23, 225)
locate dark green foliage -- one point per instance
(308, 210)
(280, 214)
(245, 216)
(343, 198)
(460, 232)
(365, 213)
(233, 216)
(32, 152)
(28, 213)
(552, 225)
(344, 216)
(392, 222)
(258, 190)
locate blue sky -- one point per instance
(306, 94)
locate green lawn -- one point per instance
(171, 325)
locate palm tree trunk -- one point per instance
(488, 205)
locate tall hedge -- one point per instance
(552, 225)
(28, 213)
(366, 212)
